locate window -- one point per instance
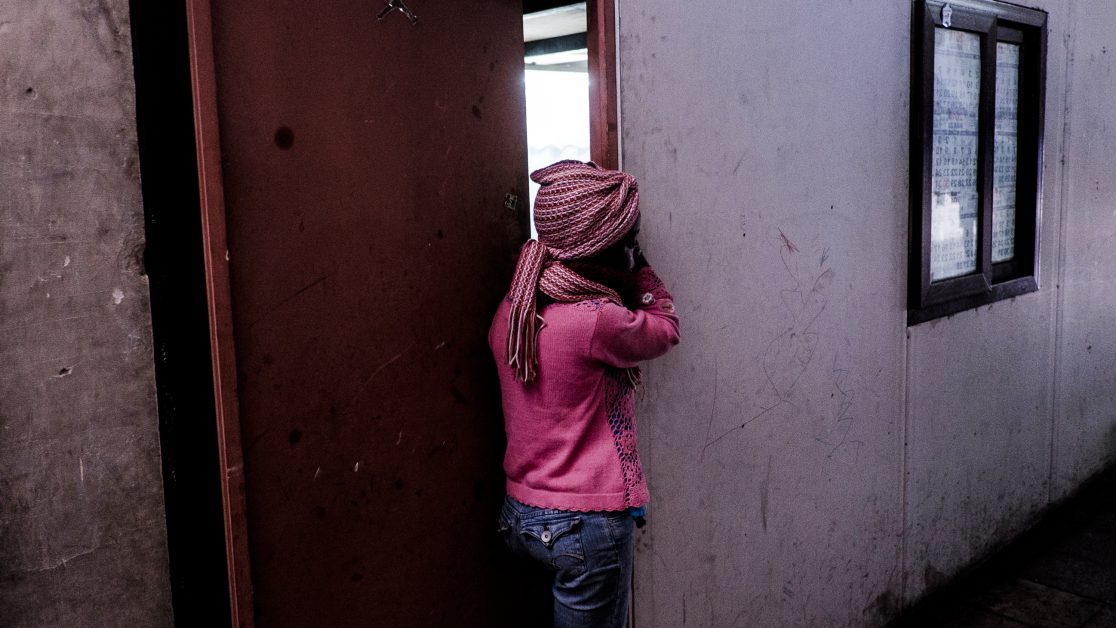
(977, 92)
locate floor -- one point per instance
(1060, 574)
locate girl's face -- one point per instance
(620, 256)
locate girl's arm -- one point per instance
(623, 338)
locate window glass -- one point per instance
(955, 196)
(1006, 162)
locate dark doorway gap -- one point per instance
(173, 261)
(534, 6)
(577, 41)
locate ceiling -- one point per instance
(554, 22)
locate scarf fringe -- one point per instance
(523, 321)
(537, 272)
(523, 342)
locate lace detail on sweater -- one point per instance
(620, 410)
(592, 305)
(649, 282)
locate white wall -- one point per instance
(1085, 399)
(814, 461)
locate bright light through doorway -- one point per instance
(556, 81)
(557, 118)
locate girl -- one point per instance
(583, 311)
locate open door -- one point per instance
(365, 199)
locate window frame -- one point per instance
(994, 23)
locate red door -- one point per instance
(366, 166)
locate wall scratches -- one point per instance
(842, 421)
(291, 297)
(787, 244)
(63, 561)
(376, 372)
(788, 355)
(765, 490)
(712, 411)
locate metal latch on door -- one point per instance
(397, 5)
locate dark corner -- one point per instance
(175, 268)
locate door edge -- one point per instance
(211, 189)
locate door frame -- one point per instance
(604, 110)
(602, 33)
(215, 251)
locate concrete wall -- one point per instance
(814, 461)
(1085, 403)
(82, 533)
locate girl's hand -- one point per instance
(623, 282)
(639, 259)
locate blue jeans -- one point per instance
(588, 553)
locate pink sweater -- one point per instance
(571, 432)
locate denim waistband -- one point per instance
(525, 511)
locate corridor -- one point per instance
(1061, 574)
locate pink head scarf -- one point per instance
(581, 209)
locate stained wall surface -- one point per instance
(812, 459)
(82, 531)
(1085, 431)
